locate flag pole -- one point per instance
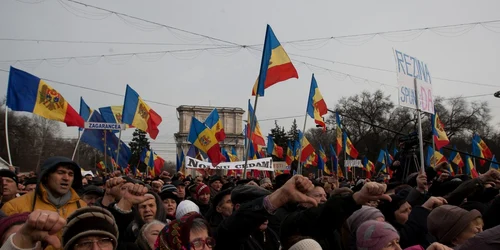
(79, 137)
(420, 139)
(7, 133)
(250, 134)
(299, 166)
(118, 149)
(433, 165)
(105, 150)
(76, 147)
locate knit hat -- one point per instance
(202, 189)
(246, 193)
(9, 221)
(169, 187)
(166, 194)
(175, 236)
(447, 222)
(185, 207)
(374, 235)
(306, 244)
(91, 189)
(9, 174)
(89, 221)
(365, 213)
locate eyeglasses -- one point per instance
(103, 243)
(199, 243)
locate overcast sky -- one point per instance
(224, 77)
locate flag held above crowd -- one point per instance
(204, 139)
(438, 133)
(275, 65)
(256, 134)
(316, 106)
(215, 124)
(138, 114)
(26, 92)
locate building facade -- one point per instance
(232, 121)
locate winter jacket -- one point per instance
(28, 203)
(414, 231)
(322, 223)
(240, 230)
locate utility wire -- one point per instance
(100, 42)
(433, 28)
(99, 90)
(121, 54)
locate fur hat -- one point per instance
(89, 221)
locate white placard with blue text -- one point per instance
(409, 69)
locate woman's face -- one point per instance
(170, 206)
(392, 245)
(152, 233)
(402, 213)
(199, 237)
(475, 227)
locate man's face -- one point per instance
(225, 207)
(9, 187)
(198, 180)
(217, 185)
(319, 194)
(147, 210)
(90, 199)
(30, 187)
(204, 198)
(60, 181)
(181, 191)
(88, 177)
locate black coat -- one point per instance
(322, 223)
(240, 230)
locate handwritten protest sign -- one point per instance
(410, 69)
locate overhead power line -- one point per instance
(120, 54)
(466, 27)
(34, 40)
(99, 90)
(389, 71)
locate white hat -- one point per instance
(306, 244)
(186, 207)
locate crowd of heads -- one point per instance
(58, 208)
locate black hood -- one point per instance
(55, 161)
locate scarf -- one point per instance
(58, 202)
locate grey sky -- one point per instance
(225, 77)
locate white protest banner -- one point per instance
(409, 70)
(104, 126)
(353, 163)
(264, 164)
(280, 166)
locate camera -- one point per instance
(409, 141)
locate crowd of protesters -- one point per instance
(58, 208)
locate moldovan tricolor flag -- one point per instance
(470, 169)
(338, 136)
(26, 92)
(275, 66)
(316, 106)
(256, 134)
(349, 147)
(138, 114)
(479, 148)
(215, 124)
(204, 139)
(306, 147)
(440, 137)
(273, 149)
